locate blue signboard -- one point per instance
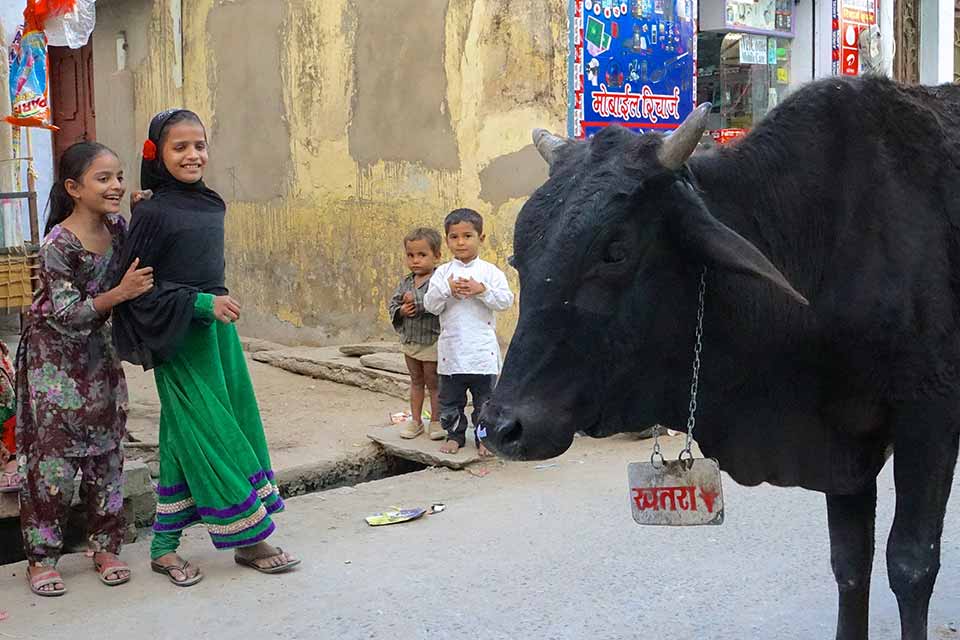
(632, 62)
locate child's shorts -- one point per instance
(421, 352)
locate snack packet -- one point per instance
(28, 66)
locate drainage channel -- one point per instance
(345, 473)
(294, 482)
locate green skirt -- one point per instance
(214, 463)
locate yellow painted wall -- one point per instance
(336, 125)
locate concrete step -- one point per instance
(369, 348)
(327, 363)
(423, 450)
(139, 506)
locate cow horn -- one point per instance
(680, 144)
(547, 144)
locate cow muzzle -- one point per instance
(517, 435)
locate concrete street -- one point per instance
(520, 553)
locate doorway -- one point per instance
(71, 97)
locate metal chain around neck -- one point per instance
(695, 381)
(686, 453)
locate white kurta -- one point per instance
(468, 338)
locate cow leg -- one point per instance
(851, 520)
(923, 463)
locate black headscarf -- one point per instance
(178, 232)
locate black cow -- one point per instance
(852, 189)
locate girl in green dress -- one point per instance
(214, 463)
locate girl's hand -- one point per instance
(136, 197)
(226, 309)
(135, 282)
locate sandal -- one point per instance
(113, 565)
(252, 562)
(169, 569)
(9, 481)
(45, 579)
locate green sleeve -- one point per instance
(203, 307)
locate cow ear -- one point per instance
(720, 246)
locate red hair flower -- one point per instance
(149, 150)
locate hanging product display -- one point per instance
(28, 79)
(69, 23)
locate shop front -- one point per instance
(744, 54)
(632, 64)
(645, 64)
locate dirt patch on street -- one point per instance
(308, 422)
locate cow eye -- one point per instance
(616, 252)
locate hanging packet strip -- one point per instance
(28, 81)
(28, 66)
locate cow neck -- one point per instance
(686, 454)
(737, 208)
(706, 175)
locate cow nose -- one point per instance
(502, 432)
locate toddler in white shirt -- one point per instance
(465, 293)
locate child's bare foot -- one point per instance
(483, 452)
(450, 446)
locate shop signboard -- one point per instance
(850, 19)
(633, 63)
(760, 17)
(724, 136)
(773, 17)
(753, 50)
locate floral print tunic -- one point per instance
(71, 393)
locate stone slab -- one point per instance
(327, 363)
(9, 505)
(138, 495)
(369, 348)
(146, 452)
(423, 450)
(394, 362)
(256, 345)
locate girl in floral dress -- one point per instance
(71, 393)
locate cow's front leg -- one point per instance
(851, 520)
(925, 453)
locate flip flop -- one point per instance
(168, 571)
(252, 562)
(105, 569)
(44, 579)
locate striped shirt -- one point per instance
(423, 328)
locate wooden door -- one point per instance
(71, 96)
(906, 34)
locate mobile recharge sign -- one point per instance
(632, 62)
(850, 19)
